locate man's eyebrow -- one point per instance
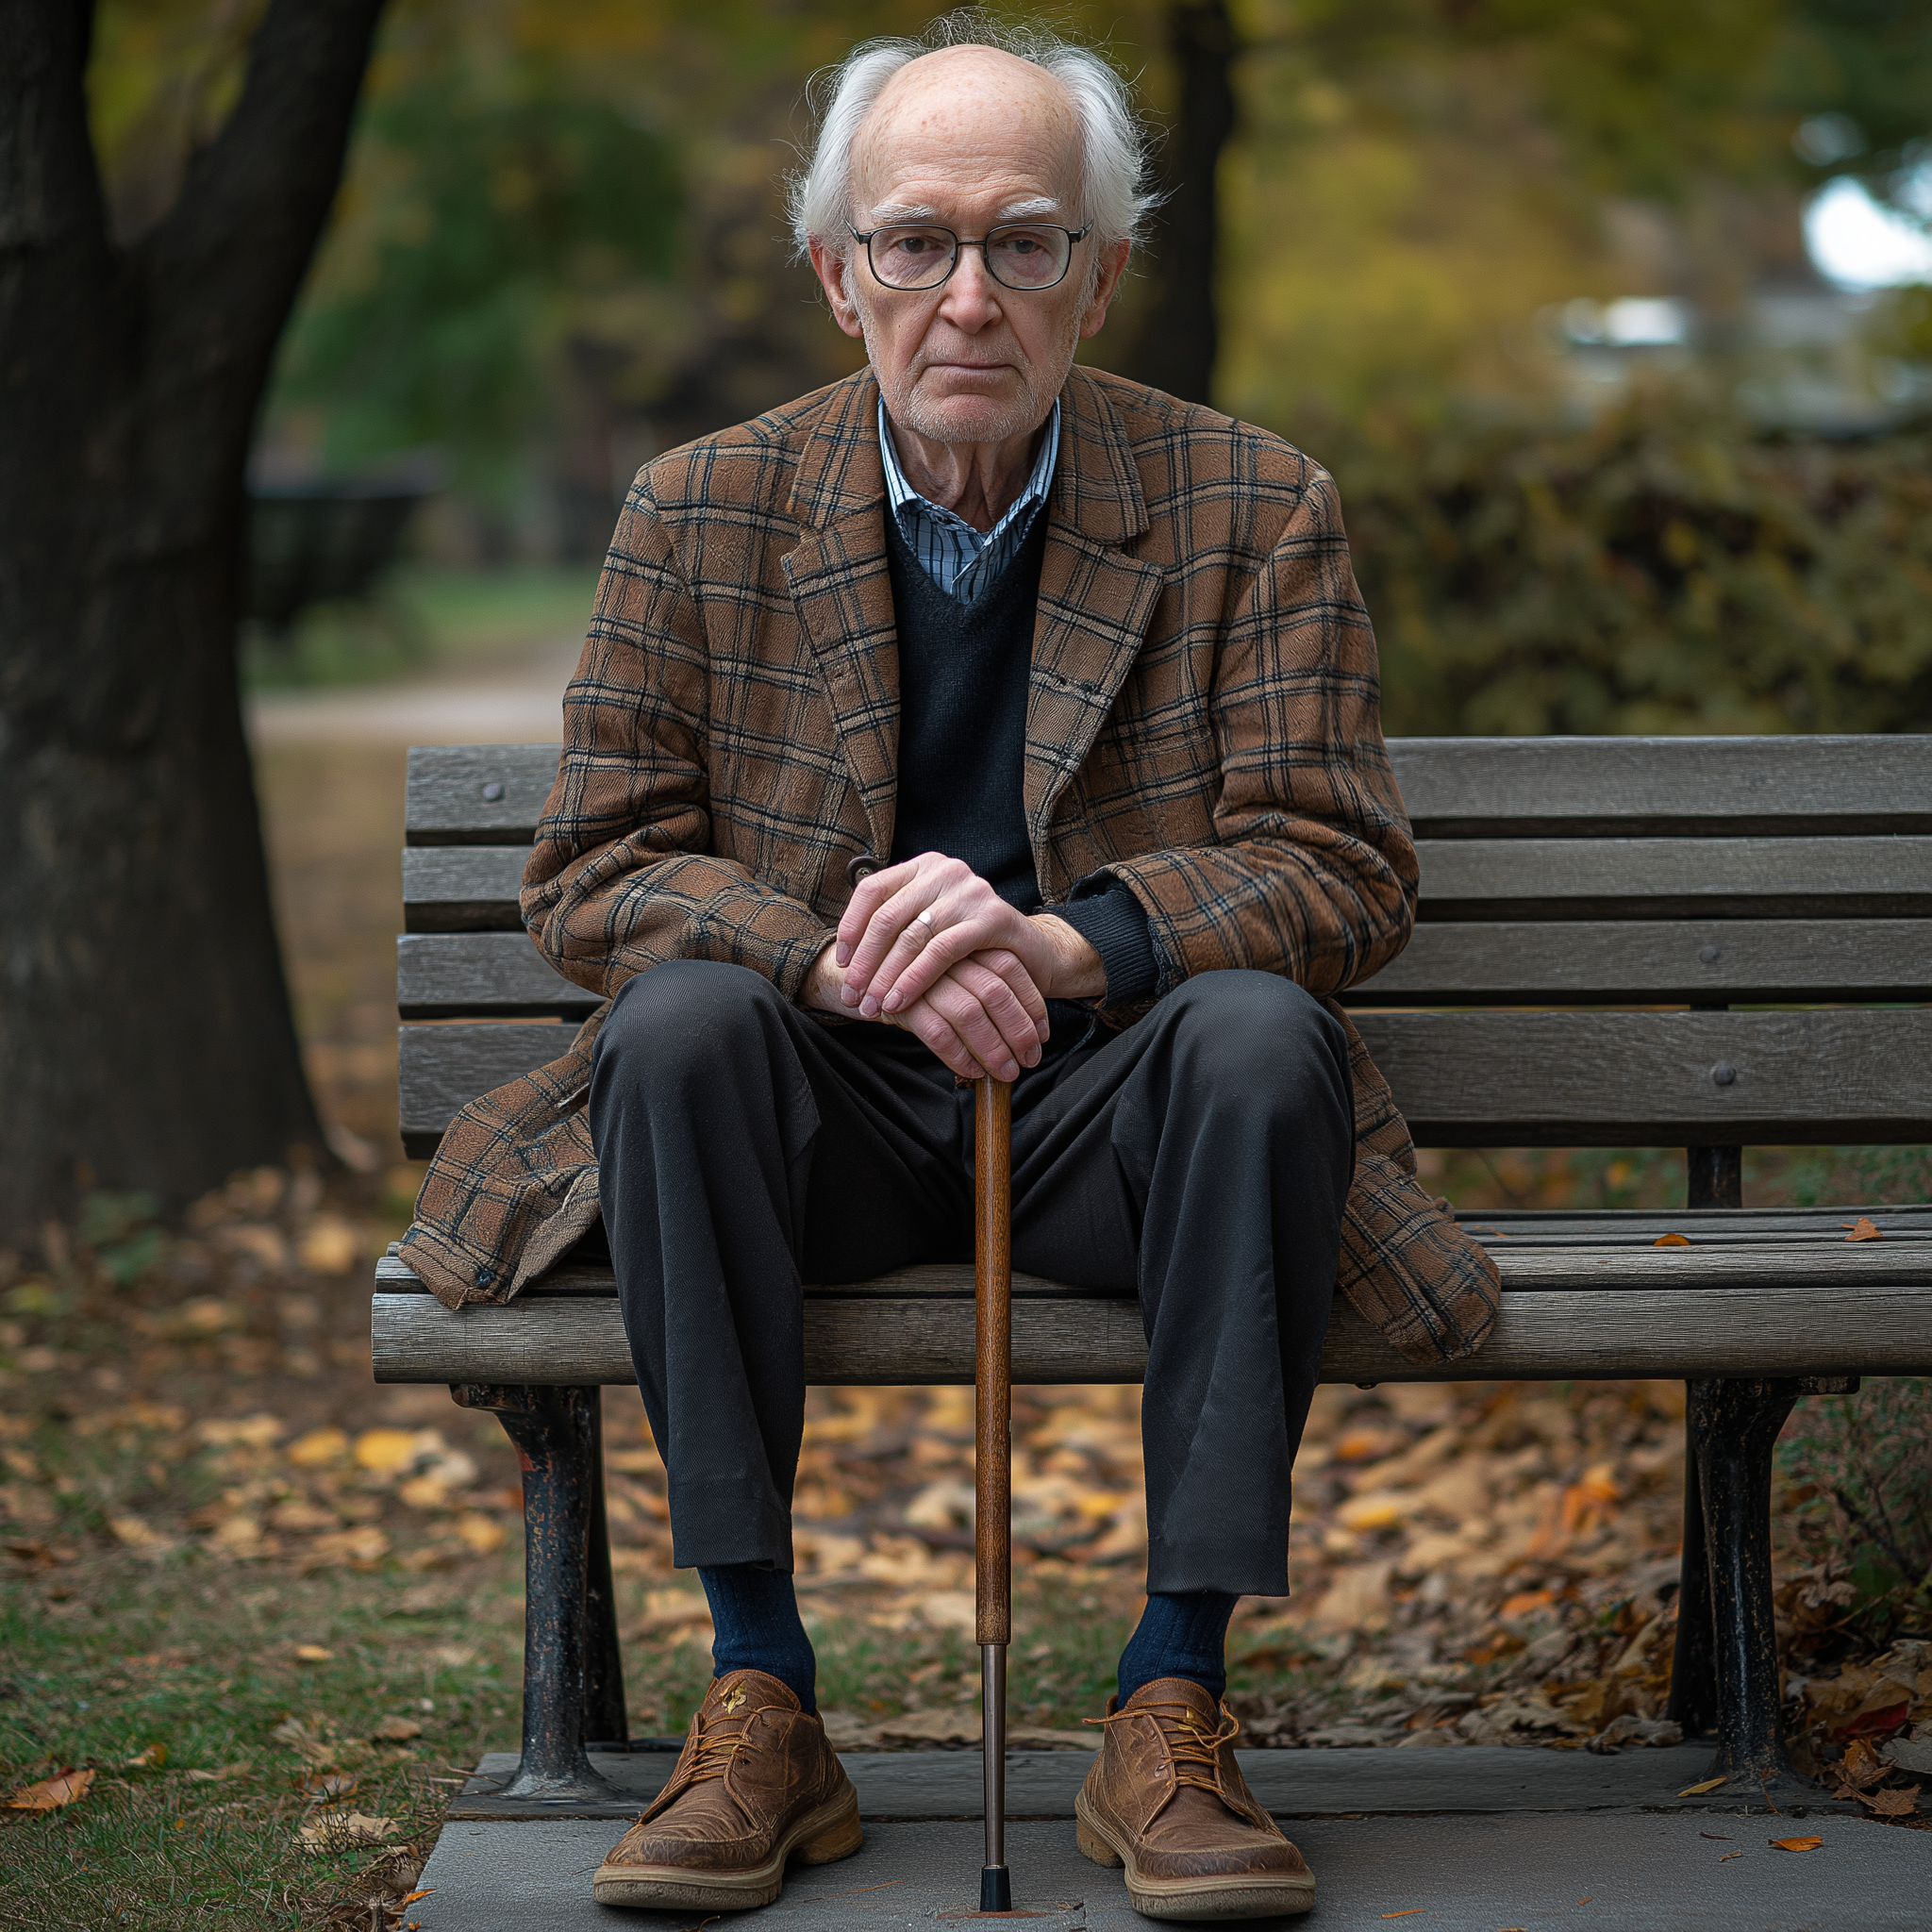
(1024, 210)
(889, 214)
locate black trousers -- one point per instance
(1199, 1160)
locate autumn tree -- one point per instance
(145, 1036)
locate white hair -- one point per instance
(1114, 198)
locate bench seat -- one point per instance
(1584, 1295)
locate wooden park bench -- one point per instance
(1699, 943)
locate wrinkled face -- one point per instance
(967, 139)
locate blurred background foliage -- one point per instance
(1530, 275)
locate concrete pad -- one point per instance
(910, 1785)
(1623, 1871)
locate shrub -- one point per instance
(1662, 571)
(1860, 1471)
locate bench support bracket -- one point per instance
(572, 1683)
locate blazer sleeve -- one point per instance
(1313, 874)
(621, 875)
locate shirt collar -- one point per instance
(902, 496)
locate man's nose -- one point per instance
(972, 297)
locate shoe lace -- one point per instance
(715, 1746)
(1194, 1749)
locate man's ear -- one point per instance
(1113, 264)
(832, 271)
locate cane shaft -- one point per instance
(992, 1518)
(993, 1252)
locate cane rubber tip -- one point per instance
(996, 1888)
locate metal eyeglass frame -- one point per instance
(959, 246)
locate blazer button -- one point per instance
(860, 867)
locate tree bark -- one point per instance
(1179, 338)
(145, 1037)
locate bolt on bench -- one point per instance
(1700, 942)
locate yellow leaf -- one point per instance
(482, 1533)
(312, 1653)
(1710, 1784)
(1671, 1240)
(1862, 1230)
(51, 1793)
(328, 1246)
(1796, 1844)
(386, 1451)
(318, 1447)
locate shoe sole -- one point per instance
(1195, 1899)
(830, 1832)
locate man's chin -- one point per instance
(973, 418)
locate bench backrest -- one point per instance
(1696, 943)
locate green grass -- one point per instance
(421, 619)
(193, 1663)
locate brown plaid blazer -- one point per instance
(1202, 723)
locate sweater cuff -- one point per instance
(1114, 924)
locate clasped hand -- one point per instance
(929, 946)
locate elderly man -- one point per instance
(978, 714)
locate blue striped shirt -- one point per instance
(963, 561)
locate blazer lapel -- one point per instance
(1094, 603)
(841, 591)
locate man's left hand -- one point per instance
(909, 923)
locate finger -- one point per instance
(967, 1017)
(1003, 1008)
(1019, 982)
(938, 1034)
(925, 953)
(934, 877)
(872, 893)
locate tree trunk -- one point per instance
(145, 1038)
(1179, 338)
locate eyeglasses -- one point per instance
(1019, 254)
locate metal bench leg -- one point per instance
(1693, 1661)
(604, 1716)
(1732, 1426)
(554, 1432)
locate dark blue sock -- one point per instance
(755, 1627)
(1180, 1636)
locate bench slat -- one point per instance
(1719, 1256)
(1464, 788)
(1594, 1333)
(1481, 1079)
(473, 889)
(1454, 787)
(502, 975)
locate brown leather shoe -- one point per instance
(755, 1783)
(1166, 1799)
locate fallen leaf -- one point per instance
(410, 1898)
(343, 1831)
(1875, 1723)
(1409, 1914)
(1671, 1240)
(219, 1775)
(1722, 1837)
(1894, 1803)
(396, 1730)
(1794, 1844)
(312, 1653)
(1862, 1230)
(51, 1793)
(482, 1533)
(152, 1758)
(329, 1245)
(1523, 1603)
(1724, 1857)
(321, 1786)
(389, 1452)
(138, 1535)
(1710, 1784)
(317, 1447)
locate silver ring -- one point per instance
(926, 919)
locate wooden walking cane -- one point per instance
(992, 1461)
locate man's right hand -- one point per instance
(983, 1015)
